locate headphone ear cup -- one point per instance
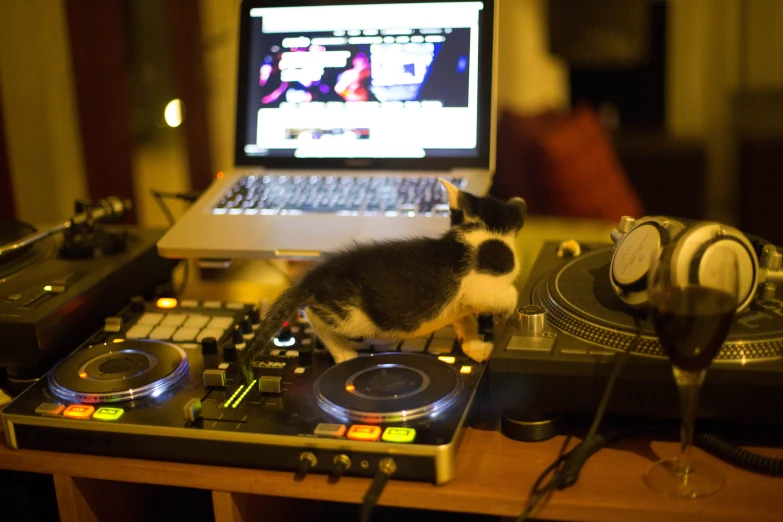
(630, 265)
(697, 259)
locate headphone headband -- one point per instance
(639, 240)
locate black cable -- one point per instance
(190, 197)
(386, 467)
(185, 196)
(737, 456)
(163, 207)
(566, 468)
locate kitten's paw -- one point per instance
(343, 355)
(477, 350)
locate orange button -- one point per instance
(364, 432)
(166, 302)
(78, 411)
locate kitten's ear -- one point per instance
(519, 202)
(453, 193)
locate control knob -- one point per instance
(285, 334)
(238, 339)
(305, 357)
(209, 350)
(531, 320)
(247, 328)
(255, 317)
(137, 304)
(229, 353)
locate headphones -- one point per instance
(694, 257)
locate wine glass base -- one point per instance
(667, 477)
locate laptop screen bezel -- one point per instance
(485, 104)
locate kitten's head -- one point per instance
(470, 212)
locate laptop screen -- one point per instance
(385, 85)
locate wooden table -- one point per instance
(493, 476)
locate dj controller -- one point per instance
(160, 381)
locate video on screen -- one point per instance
(422, 66)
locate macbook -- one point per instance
(348, 114)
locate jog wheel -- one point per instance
(388, 387)
(121, 371)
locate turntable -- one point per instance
(557, 358)
(164, 386)
(77, 269)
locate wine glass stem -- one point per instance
(689, 384)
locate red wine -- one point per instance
(692, 322)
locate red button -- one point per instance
(78, 411)
(364, 432)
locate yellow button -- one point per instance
(108, 413)
(364, 432)
(78, 411)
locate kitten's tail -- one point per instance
(285, 306)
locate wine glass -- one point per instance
(691, 321)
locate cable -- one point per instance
(185, 196)
(163, 207)
(737, 456)
(279, 270)
(386, 467)
(566, 468)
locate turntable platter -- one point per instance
(581, 303)
(118, 371)
(389, 387)
(14, 261)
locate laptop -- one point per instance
(347, 116)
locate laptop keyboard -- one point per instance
(342, 195)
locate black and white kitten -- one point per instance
(389, 291)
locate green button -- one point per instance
(399, 435)
(108, 413)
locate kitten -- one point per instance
(388, 291)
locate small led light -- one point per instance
(118, 340)
(466, 369)
(448, 359)
(242, 397)
(166, 302)
(233, 396)
(48, 288)
(219, 175)
(350, 387)
(280, 343)
(83, 375)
